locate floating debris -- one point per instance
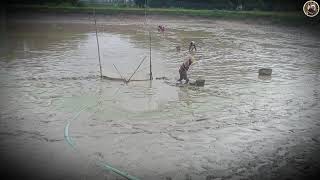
(202, 119)
(162, 78)
(198, 82)
(265, 72)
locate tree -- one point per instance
(139, 3)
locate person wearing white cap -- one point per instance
(184, 68)
(192, 46)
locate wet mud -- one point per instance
(238, 126)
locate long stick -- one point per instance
(150, 57)
(136, 69)
(145, 12)
(119, 72)
(95, 23)
(145, 16)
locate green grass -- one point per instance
(277, 17)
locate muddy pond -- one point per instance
(59, 118)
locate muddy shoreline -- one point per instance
(261, 17)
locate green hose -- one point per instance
(102, 164)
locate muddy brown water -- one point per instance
(238, 125)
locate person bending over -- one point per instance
(184, 69)
(192, 46)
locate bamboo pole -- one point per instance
(150, 56)
(145, 11)
(95, 23)
(136, 69)
(119, 73)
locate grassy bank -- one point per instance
(277, 17)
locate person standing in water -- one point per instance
(178, 48)
(192, 46)
(161, 28)
(184, 69)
